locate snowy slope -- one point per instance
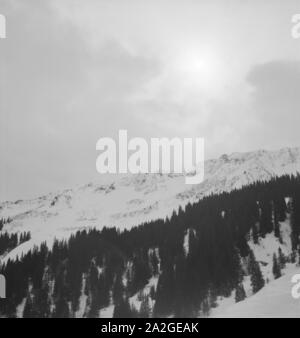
(130, 200)
(273, 301)
(263, 251)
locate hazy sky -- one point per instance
(74, 71)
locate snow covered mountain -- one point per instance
(274, 301)
(130, 200)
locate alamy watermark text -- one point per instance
(296, 288)
(296, 26)
(2, 26)
(161, 155)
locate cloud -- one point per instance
(73, 71)
(276, 87)
(276, 101)
(58, 97)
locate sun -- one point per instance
(200, 69)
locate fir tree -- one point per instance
(276, 267)
(29, 309)
(281, 259)
(145, 309)
(277, 227)
(123, 309)
(257, 280)
(295, 222)
(61, 308)
(240, 293)
(255, 234)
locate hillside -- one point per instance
(133, 199)
(221, 250)
(273, 301)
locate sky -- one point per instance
(74, 71)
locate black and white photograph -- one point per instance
(149, 160)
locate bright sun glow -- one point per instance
(200, 69)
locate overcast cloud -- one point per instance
(74, 71)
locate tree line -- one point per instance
(113, 268)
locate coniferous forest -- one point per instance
(173, 267)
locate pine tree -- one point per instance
(255, 234)
(240, 293)
(118, 288)
(28, 309)
(61, 308)
(266, 225)
(123, 309)
(145, 309)
(276, 267)
(277, 227)
(165, 291)
(295, 222)
(281, 259)
(154, 262)
(257, 280)
(94, 292)
(205, 307)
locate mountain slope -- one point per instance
(273, 301)
(199, 263)
(134, 199)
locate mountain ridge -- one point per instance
(134, 199)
